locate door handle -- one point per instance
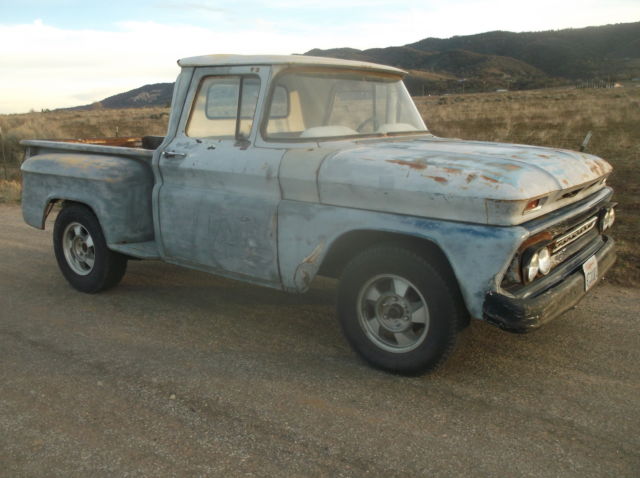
(174, 155)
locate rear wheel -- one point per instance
(82, 253)
(397, 311)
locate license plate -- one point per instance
(590, 269)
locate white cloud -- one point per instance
(42, 66)
(49, 67)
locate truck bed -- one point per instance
(112, 176)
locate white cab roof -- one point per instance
(234, 60)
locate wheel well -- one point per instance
(47, 210)
(62, 203)
(350, 244)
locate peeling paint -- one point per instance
(308, 268)
(313, 257)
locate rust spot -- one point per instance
(439, 179)
(471, 177)
(543, 236)
(313, 257)
(507, 166)
(487, 178)
(127, 142)
(452, 170)
(544, 156)
(596, 168)
(565, 182)
(411, 164)
(305, 278)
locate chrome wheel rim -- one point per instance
(78, 248)
(393, 313)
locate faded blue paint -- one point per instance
(117, 189)
(478, 254)
(217, 205)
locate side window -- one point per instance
(224, 107)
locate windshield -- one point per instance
(334, 103)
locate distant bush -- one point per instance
(9, 191)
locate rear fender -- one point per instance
(118, 190)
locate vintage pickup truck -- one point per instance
(275, 169)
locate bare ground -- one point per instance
(178, 373)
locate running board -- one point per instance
(140, 250)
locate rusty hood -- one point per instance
(481, 182)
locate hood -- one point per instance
(455, 179)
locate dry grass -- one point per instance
(9, 191)
(97, 123)
(556, 118)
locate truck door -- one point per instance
(217, 204)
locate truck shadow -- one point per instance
(482, 350)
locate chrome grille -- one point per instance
(574, 234)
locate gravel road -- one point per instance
(178, 373)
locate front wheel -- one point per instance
(398, 311)
(82, 253)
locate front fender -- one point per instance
(479, 255)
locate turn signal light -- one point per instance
(534, 205)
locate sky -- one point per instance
(63, 53)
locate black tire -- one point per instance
(82, 253)
(389, 328)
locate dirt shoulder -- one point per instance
(178, 373)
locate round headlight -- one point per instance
(530, 267)
(544, 261)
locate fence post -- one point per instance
(4, 158)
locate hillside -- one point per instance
(474, 63)
(158, 94)
(584, 53)
(511, 60)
